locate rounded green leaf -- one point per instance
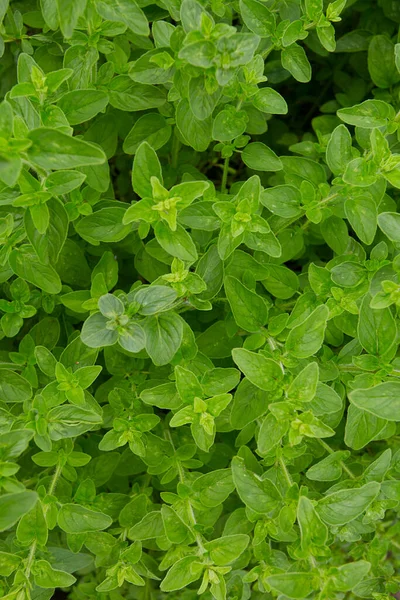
(14, 506)
(74, 518)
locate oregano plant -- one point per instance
(200, 299)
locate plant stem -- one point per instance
(350, 368)
(312, 562)
(32, 551)
(148, 588)
(53, 484)
(225, 175)
(189, 507)
(287, 224)
(342, 464)
(273, 345)
(175, 147)
(285, 471)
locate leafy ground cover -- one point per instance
(200, 287)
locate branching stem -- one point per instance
(342, 464)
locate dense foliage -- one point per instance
(200, 289)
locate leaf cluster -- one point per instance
(199, 299)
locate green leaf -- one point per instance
(338, 151)
(360, 172)
(335, 233)
(382, 400)
(348, 274)
(163, 396)
(214, 488)
(362, 427)
(303, 168)
(389, 223)
(14, 506)
(150, 526)
(314, 8)
(130, 96)
(326, 35)
(377, 330)
(362, 214)
(263, 372)
(52, 149)
(282, 200)
(281, 282)
(74, 518)
(3, 9)
(306, 339)
(145, 166)
(14, 443)
(10, 169)
(82, 105)
(227, 549)
(259, 157)
(8, 563)
(48, 245)
(95, 333)
(25, 263)
(63, 182)
(260, 495)
(199, 54)
(6, 118)
(329, 468)
(69, 421)
(201, 102)
(132, 338)
(229, 124)
(271, 432)
(270, 101)
(248, 404)
(40, 217)
(342, 507)
(151, 128)
(195, 132)
(258, 17)
(182, 573)
(368, 114)
(104, 225)
(155, 299)
(312, 530)
(294, 60)
(188, 385)
(325, 401)
(175, 529)
(32, 528)
(13, 387)
(163, 336)
(249, 309)
(381, 62)
(177, 243)
(69, 12)
(293, 585)
(348, 576)
(304, 386)
(124, 11)
(155, 66)
(188, 315)
(47, 577)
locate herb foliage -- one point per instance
(200, 289)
